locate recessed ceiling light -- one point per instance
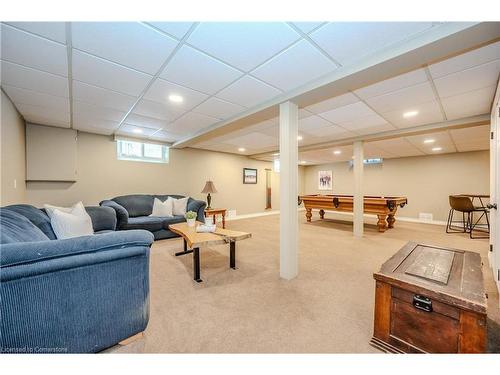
(337, 152)
(137, 131)
(174, 98)
(299, 138)
(241, 149)
(410, 114)
(435, 149)
(429, 141)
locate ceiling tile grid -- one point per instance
(130, 44)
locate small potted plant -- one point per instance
(191, 218)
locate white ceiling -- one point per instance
(116, 77)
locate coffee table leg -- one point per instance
(232, 255)
(186, 251)
(196, 264)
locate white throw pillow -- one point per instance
(162, 209)
(68, 222)
(179, 205)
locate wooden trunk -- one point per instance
(430, 299)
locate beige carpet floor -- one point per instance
(328, 308)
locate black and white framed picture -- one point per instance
(249, 176)
(325, 180)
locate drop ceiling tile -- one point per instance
(160, 111)
(103, 73)
(466, 60)
(476, 146)
(294, 67)
(128, 129)
(190, 123)
(33, 51)
(307, 27)
(348, 42)
(127, 43)
(244, 45)
(332, 103)
(332, 132)
(165, 136)
(471, 103)
(403, 99)
(44, 115)
(441, 139)
(176, 29)
(398, 147)
(476, 134)
(33, 79)
(51, 30)
(145, 122)
(97, 126)
(102, 97)
(254, 140)
(33, 98)
(312, 123)
(349, 112)
(468, 80)
(393, 84)
(218, 108)
(428, 113)
(367, 125)
(248, 92)
(88, 111)
(160, 90)
(199, 71)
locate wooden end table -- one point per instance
(195, 240)
(217, 211)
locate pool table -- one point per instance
(384, 207)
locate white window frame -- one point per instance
(121, 156)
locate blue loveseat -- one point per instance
(132, 212)
(75, 295)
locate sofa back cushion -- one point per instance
(141, 204)
(38, 217)
(17, 228)
(137, 204)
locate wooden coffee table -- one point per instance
(194, 240)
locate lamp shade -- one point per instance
(209, 188)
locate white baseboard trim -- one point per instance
(276, 212)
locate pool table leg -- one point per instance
(308, 214)
(390, 221)
(322, 214)
(382, 224)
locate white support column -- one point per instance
(289, 120)
(358, 189)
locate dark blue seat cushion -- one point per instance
(38, 217)
(153, 223)
(17, 228)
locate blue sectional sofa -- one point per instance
(132, 212)
(75, 295)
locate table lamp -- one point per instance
(209, 188)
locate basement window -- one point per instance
(142, 151)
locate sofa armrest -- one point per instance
(198, 207)
(121, 213)
(103, 217)
(31, 256)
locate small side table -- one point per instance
(216, 211)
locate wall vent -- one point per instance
(424, 216)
